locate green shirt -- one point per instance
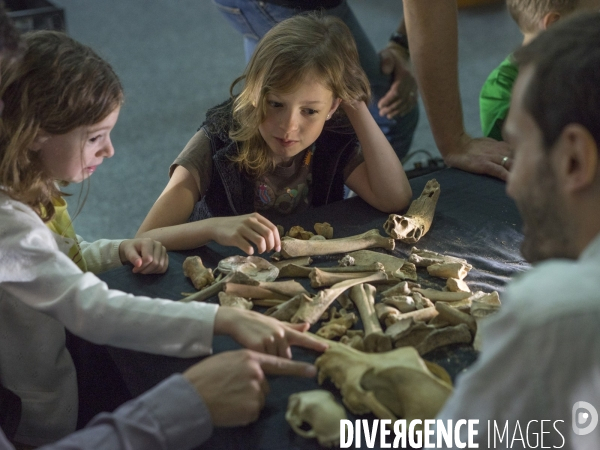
(494, 99)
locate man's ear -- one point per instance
(39, 141)
(334, 106)
(577, 158)
(549, 19)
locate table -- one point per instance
(474, 220)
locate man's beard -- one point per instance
(546, 231)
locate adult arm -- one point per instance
(402, 95)
(380, 180)
(432, 29)
(169, 416)
(167, 221)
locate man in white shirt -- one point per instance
(537, 381)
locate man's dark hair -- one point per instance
(9, 36)
(565, 85)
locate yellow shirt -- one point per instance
(62, 225)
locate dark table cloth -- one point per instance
(474, 220)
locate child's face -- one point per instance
(294, 120)
(63, 156)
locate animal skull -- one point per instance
(318, 409)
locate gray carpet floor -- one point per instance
(176, 59)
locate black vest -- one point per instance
(231, 191)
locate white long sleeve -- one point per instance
(42, 290)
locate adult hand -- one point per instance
(243, 231)
(233, 384)
(263, 333)
(481, 155)
(146, 255)
(402, 95)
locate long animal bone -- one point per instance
(444, 296)
(449, 270)
(318, 409)
(214, 289)
(286, 310)
(300, 261)
(425, 338)
(321, 278)
(291, 248)
(455, 317)
(424, 258)
(363, 296)
(264, 289)
(390, 385)
(366, 257)
(310, 310)
(195, 270)
(294, 271)
(413, 225)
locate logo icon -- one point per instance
(585, 418)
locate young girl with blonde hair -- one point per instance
(281, 145)
(61, 102)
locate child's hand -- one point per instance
(263, 333)
(243, 231)
(146, 255)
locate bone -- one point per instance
(320, 278)
(337, 326)
(390, 385)
(255, 292)
(402, 303)
(285, 311)
(386, 314)
(231, 301)
(413, 225)
(408, 271)
(324, 229)
(424, 258)
(443, 296)
(291, 248)
(419, 315)
(281, 231)
(440, 337)
(267, 302)
(345, 301)
(491, 298)
(355, 342)
(294, 271)
(319, 410)
(402, 288)
(310, 310)
(456, 285)
(214, 289)
(300, 261)
(449, 270)
(298, 232)
(363, 296)
(421, 301)
(195, 271)
(366, 257)
(455, 317)
(425, 338)
(347, 261)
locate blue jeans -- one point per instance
(253, 18)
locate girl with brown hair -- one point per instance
(295, 135)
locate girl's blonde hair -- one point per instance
(57, 86)
(304, 44)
